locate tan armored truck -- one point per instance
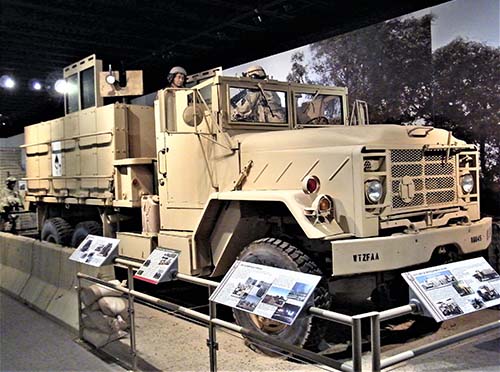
(296, 184)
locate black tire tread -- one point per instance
(91, 227)
(61, 226)
(494, 248)
(322, 298)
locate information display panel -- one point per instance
(160, 266)
(96, 251)
(455, 289)
(266, 291)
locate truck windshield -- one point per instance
(258, 105)
(318, 109)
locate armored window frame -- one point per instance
(248, 83)
(88, 91)
(325, 91)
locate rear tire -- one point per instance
(57, 230)
(306, 331)
(83, 229)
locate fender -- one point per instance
(296, 201)
(223, 233)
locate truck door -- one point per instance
(186, 173)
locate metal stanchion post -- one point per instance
(356, 344)
(131, 315)
(375, 341)
(79, 296)
(213, 346)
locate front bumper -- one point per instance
(355, 256)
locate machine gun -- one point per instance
(238, 97)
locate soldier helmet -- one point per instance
(11, 179)
(178, 70)
(173, 73)
(256, 72)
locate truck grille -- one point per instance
(433, 177)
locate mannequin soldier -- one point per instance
(257, 105)
(177, 77)
(9, 202)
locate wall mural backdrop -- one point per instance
(438, 67)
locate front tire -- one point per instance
(494, 248)
(306, 331)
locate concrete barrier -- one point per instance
(42, 275)
(44, 280)
(16, 262)
(64, 303)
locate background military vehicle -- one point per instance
(314, 191)
(484, 275)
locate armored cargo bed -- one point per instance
(72, 159)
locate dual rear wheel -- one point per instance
(58, 230)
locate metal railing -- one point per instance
(355, 322)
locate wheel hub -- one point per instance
(267, 325)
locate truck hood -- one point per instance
(381, 136)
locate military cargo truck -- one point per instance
(310, 189)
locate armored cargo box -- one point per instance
(81, 157)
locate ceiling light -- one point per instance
(7, 82)
(60, 86)
(258, 18)
(36, 85)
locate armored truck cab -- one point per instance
(375, 197)
(299, 185)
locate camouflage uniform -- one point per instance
(255, 107)
(258, 105)
(9, 202)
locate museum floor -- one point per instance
(30, 341)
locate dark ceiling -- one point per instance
(39, 38)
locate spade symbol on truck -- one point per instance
(57, 164)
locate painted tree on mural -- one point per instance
(388, 65)
(466, 86)
(298, 73)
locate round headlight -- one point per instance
(467, 183)
(373, 191)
